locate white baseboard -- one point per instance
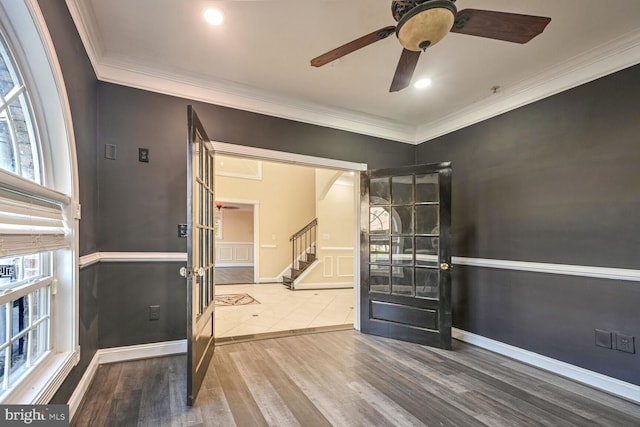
(83, 386)
(328, 285)
(590, 378)
(121, 354)
(142, 351)
(270, 279)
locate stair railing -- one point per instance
(304, 242)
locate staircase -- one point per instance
(303, 252)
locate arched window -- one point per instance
(38, 271)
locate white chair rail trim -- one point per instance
(540, 267)
(87, 260)
(536, 267)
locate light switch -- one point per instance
(110, 151)
(143, 155)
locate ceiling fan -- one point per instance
(423, 23)
(221, 205)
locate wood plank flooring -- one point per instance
(233, 275)
(345, 378)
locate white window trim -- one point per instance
(27, 30)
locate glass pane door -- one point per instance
(200, 255)
(405, 290)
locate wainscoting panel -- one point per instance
(327, 266)
(234, 254)
(345, 266)
(225, 254)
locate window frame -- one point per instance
(25, 31)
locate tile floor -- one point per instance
(281, 309)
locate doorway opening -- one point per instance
(287, 194)
(235, 241)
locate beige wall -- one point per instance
(335, 212)
(335, 207)
(286, 197)
(237, 226)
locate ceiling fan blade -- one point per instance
(352, 46)
(405, 69)
(510, 27)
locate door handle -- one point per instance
(187, 272)
(444, 266)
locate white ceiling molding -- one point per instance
(242, 97)
(87, 30)
(598, 62)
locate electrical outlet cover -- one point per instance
(154, 312)
(625, 343)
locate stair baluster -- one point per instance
(303, 252)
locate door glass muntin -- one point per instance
(404, 235)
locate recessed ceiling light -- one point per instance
(422, 83)
(213, 16)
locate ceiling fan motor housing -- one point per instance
(423, 23)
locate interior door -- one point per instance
(406, 257)
(199, 271)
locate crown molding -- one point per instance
(598, 62)
(86, 24)
(242, 97)
(603, 60)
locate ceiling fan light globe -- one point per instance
(426, 24)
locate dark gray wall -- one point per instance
(141, 204)
(555, 181)
(124, 309)
(81, 84)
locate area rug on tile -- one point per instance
(235, 299)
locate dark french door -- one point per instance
(199, 271)
(406, 256)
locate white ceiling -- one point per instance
(258, 60)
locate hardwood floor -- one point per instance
(346, 379)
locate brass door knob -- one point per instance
(444, 266)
